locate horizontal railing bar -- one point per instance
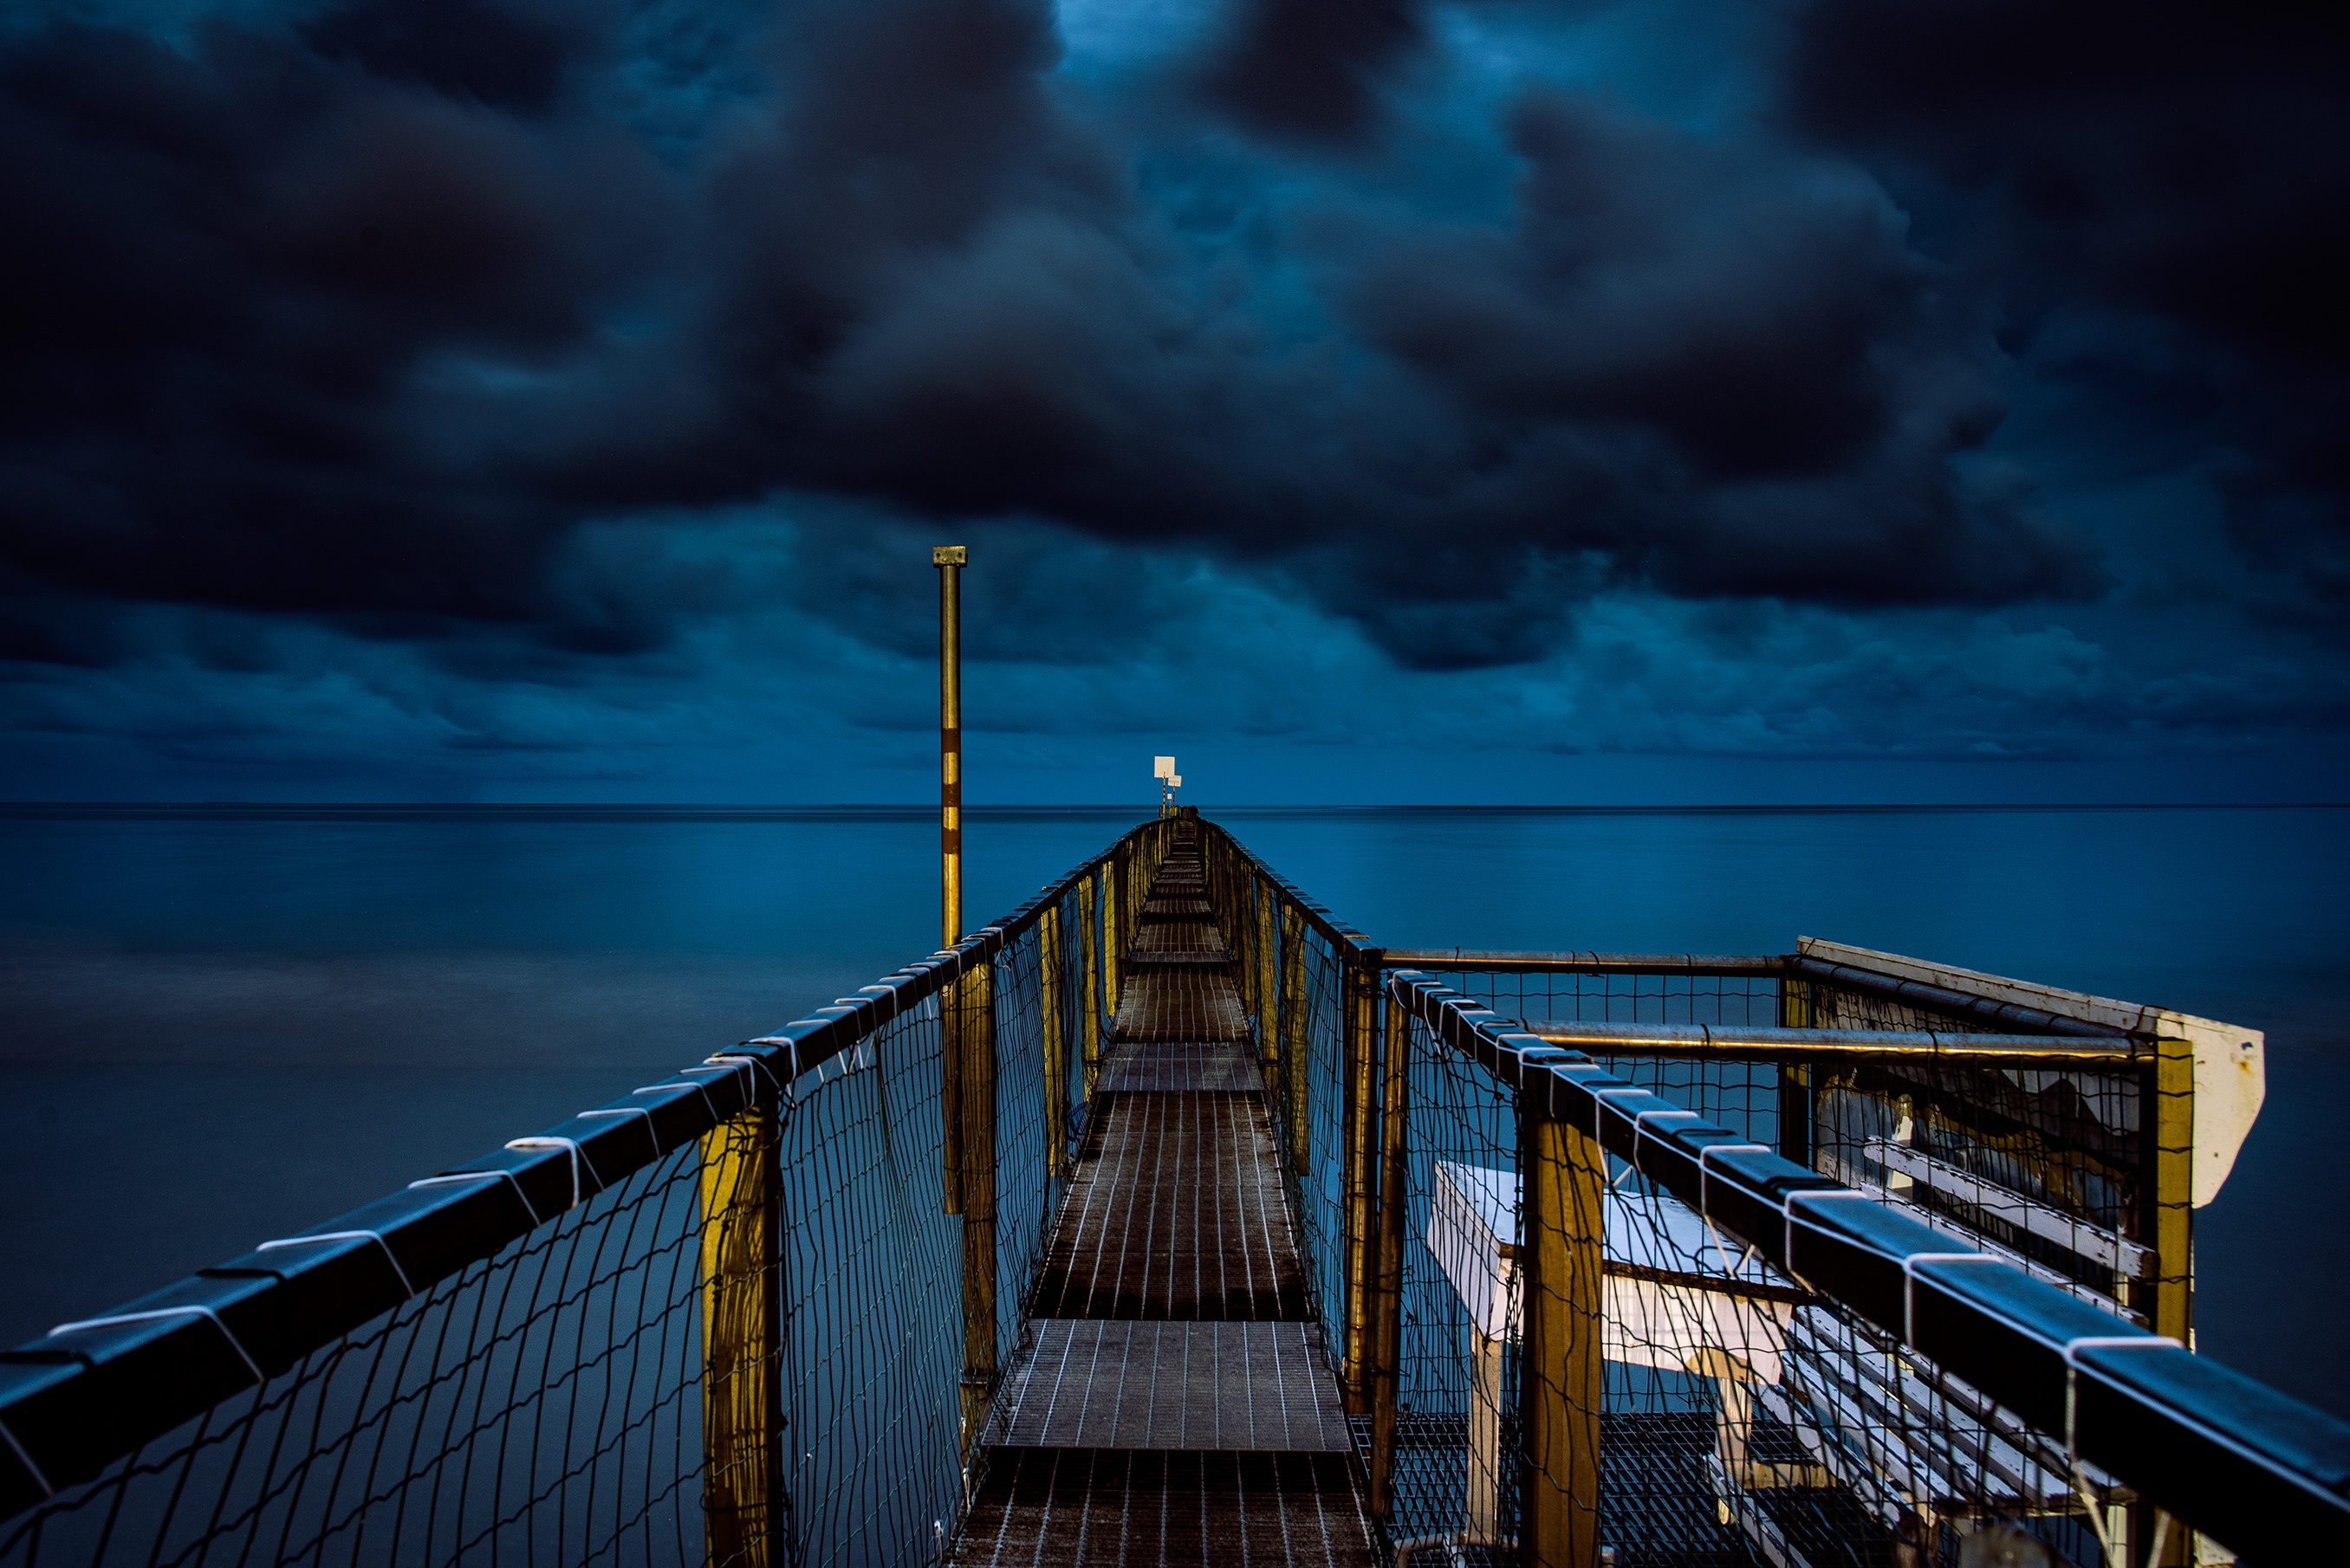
(76, 1401)
(1756, 1039)
(1748, 966)
(1358, 948)
(1941, 998)
(2250, 1467)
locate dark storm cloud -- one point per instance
(2188, 167)
(1313, 71)
(512, 56)
(1765, 382)
(221, 275)
(366, 318)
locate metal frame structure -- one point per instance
(1335, 1016)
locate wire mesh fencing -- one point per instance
(2039, 1149)
(748, 1315)
(1591, 1360)
(1628, 1259)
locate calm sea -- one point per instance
(218, 1024)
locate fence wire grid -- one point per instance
(779, 1343)
(1739, 1418)
(755, 1350)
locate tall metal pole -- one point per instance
(949, 560)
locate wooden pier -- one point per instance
(1173, 1400)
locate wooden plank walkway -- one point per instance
(1173, 1402)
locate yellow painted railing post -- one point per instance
(2170, 1304)
(1798, 1107)
(742, 1341)
(1293, 1029)
(1090, 979)
(1050, 969)
(950, 1108)
(1268, 997)
(1113, 881)
(1387, 1289)
(2172, 1307)
(1562, 1172)
(1361, 1136)
(976, 995)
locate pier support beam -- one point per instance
(1563, 1173)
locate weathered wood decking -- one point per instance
(1173, 1401)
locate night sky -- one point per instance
(1362, 400)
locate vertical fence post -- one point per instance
(2169, 1307)
(1089, 979)
(976, 995)
(950, 1108)
(1562, 1172)
(2172, 1120)
(1113, 889)
(1798, 1107)
(1387, 1293)
(1361, 1135)
(743, 1510)
(1050, 967)
(1293, 1030)
(1268, 998)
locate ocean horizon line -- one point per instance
(920, 811)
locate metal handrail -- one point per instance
(2231, 1457)
(89, 1394)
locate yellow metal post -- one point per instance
(1268, 997)
(976, 994)
(948, 560)
(1089, 963)
(1387, 1291)
(741, 1338)
(1049, 969)
(1361, 1133)
(1293, 1029)
(2173, 1308)
(1113, 881)
(1562, 1172)
(1798, 1100)
(2169, 1299)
